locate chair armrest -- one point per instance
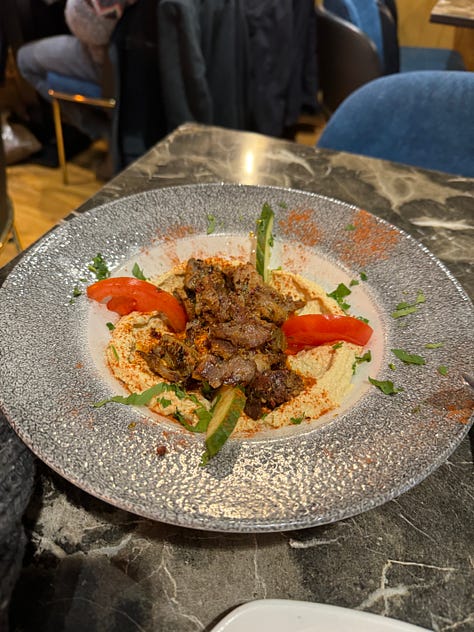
(347, 58)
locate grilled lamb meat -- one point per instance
(266, 302)
(216, 372)
(271, 389)
(248, 334)
(171, 358)
(233, 335)
(206, 286)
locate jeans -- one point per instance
(66, 55)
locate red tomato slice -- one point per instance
(127, 294)
(312, 330)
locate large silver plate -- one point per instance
(377, 447)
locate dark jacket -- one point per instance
(241, 64)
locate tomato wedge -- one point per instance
(127, 294)
(312, 330)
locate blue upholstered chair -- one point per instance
(358, 42)
(423, 118)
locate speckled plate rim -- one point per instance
(432, 434)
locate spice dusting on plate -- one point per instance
(370, 241)
(301, 225)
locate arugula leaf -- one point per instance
(136, 399)
(211, 226)
(145, 397)
(386, 386)
(420, 297)
(408, 358)
(138, 272)
(403, 311)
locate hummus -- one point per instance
(326, 371)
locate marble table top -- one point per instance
(91, 566)
(454, 12)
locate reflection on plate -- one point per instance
(280, 615)
(377, 447)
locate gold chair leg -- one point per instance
(60, 139)
(16, 239)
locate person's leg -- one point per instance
(66, 55)
(63, 54)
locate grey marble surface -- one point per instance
(90, 566)
(454, 12)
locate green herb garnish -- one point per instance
(110, 326)
(162, 401)
(144, 398)
(434, 345)
(443, 370)
(367, 357)
(350, 227)
(138, 272)
(99, 267)
(136, 399)
(297, 420)
(211, 226)
(404, 308)
(386, 386)
(339, 294)
(363, 276)
(408, 358)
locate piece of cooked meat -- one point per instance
(248, 334)
(172, 358)
(216, 372)
(271, 389)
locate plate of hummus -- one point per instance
(236, 358)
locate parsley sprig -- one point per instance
(99, 267)
(339, 295)
(405, 308)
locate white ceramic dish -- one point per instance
(280, 615)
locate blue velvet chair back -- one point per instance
(422, 118)
(378, 20)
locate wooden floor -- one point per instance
(40, 199)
